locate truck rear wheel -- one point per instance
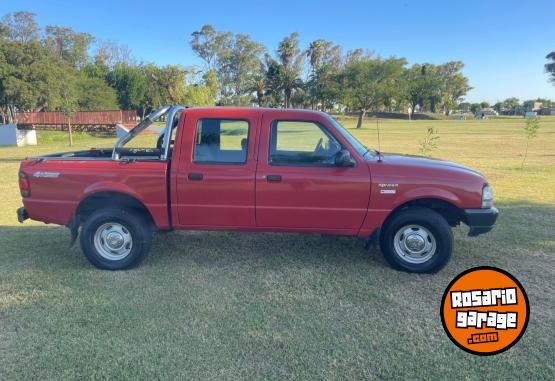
(417, 240)
(114, 239)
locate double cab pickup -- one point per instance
(253, 169)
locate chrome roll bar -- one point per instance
(168, 129)
(147, 121)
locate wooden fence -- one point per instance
(86, 118)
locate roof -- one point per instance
(261, 110)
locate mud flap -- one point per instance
(74, 230)
(373, 240)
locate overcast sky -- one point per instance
(502, 43)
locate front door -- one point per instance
(214, 184)
(298, 185)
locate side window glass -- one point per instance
(301, 143)
(221, 141)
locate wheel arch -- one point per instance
(103, 199)
(448, 210)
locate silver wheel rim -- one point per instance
(414, 244)
(113, 241)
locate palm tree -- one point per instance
(259, 84)
(288, 49)
(315, 52)
(287, 77)
(289, 81)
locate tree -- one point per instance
(422, 86)
(499, 106)
(367, 83)
(528, 104)
(475, 107)
(429, 143)
(550, 66)
(30, 79)
(258, 84)
(20, 27)
(109, 53)
(289, 68)
(511, 104)
(208, 44)
(235, 58)
(94, 93)
(453, 85)
(241, 63)
(131, 86)
(464, 106)
(530, 131)
(325, 62)
(65, 98)
(484, 105)
(204, 93)
(68, 45)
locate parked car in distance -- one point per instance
(253, 169)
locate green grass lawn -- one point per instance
(216, 305)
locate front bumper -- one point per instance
(480, 221)
(22, 214)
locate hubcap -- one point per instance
(113, 241)
(414, 244)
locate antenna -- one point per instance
(379, 145)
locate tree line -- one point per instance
(509, 106)
(53, 69)
(57, 68)
(322, 76)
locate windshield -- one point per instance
(358, 146)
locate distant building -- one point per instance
(537, 106)
(547, 111)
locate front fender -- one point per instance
(414, 194)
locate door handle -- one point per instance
(273, 178)
(195, 176)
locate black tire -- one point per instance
(132, 224)
(434, 228)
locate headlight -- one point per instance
(487, 197)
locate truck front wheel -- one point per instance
(114, 239)
(417, 240)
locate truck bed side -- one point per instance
(57, 187)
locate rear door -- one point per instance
(298, 186)
(215, 176)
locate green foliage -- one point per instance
(20, 27)
(369, 83)
(550, 66)
(203, 94)
(131, 86)
(235, 58)
(429, 143)
(325, 60)
(37, 66)
(95, 94)
(531, 128)
(67, 45)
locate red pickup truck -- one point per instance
(253, 169)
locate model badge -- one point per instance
(49, 175)
(388, 191)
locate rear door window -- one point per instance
(221, 141)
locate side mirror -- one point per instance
(344, 159)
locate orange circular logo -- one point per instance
(485, 310)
